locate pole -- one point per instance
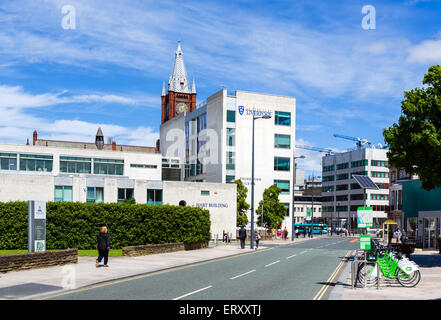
(252, 189)
(293, 196)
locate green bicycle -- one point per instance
(392, 265)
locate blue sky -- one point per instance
(109, 70)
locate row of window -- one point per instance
(375, 174)
(379, 197)
(96, 194)
(353, 208)
(356, 164)
(344, 197)
(44, 163)
(342, 166)
(379, 163)
(328, 168)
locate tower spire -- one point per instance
(179, 80)
(193, 87)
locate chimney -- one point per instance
(34, 137)
(27, 142)
(113, 146)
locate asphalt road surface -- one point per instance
(282, 272)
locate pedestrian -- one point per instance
(304, 232)
(346, 232)
(103, 247)
(297, 233)
(397, 235)
(257, 237)
(242, 237)
(285, 233)
(309, 232)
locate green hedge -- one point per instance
(76, 225)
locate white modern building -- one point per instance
(51, 170)
(214, 141)
(341, 194)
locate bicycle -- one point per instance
(393, 265)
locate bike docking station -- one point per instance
(364, 260)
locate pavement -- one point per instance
(38, 283)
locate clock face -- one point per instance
(181, 107)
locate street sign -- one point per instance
(365, 217)
(365, 242)
(36, 226)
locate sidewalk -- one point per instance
(429, 287)
(35, 283)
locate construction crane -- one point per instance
(327, 151)
(358, 141)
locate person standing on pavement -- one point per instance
(397, 235)
(297, 233)
(242, 237)
(257, 237)
(103, 247)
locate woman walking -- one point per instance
(103, 246)
(257, 237)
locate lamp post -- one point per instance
(252, 180)
(293, 194)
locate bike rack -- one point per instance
(360, 257)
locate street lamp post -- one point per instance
(312, 209)
(252, 179)
(293, 194)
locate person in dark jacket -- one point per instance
(103, 246)
(242, 237)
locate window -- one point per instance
(360, 163)
(341, 187)
(379, 163)
(343, 176)
(8, 161)
(95, 194)
(282, 118)
(328, 168)
(341, 166)
(202, 122)
(341, 208)
(33, 162)
(231, 116)
(75, 165)
(376, 174)
(341, 198)
(230, 161)
(328, 178)
(282, 184)
(231, 137)
(154, 196)
(63, 193)
(379, 197)
(281, 164)
(144, 166)
(229, 179)
(357, 196)
(108, 166)
(205, 193)
(282, 141)
(124, 194)
(327, 188)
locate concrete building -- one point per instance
(94, 172)
(214, 142)
(341, 195)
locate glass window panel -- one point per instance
(150, 196)
(67, 193)
(58, 193)
(99, 195)
(282, 118)
(231, 116)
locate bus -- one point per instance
(318, 228)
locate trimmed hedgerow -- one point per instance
(76, 225)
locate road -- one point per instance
(292, 271)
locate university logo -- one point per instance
(241, 110)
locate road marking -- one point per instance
(323, 289)
(303, 251)
(243, 274)
(272, 263)
(190, 293)
(291, 256)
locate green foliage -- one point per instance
(242, 205)
(273, 211)
(76, 225)
(415, 142)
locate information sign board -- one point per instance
(365, 217)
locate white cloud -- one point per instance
(17, 124)
(428, 51)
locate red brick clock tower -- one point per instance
(178, 98)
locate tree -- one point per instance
(415, 142)
(242, 205)
(273, 211)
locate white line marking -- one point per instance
(303, 251)
(243, 274)
(291, 256)
(185, 295)
(272, 263)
